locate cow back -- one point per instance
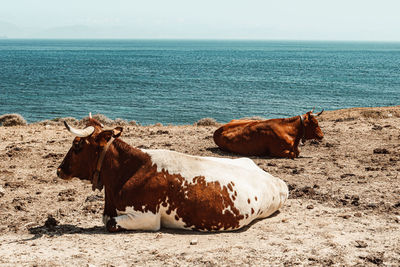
(246, 137)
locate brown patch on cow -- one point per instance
(247, 216)
(176, 218)
(207, 205)
(255, 198)
(248, 200)
(235, 194)
(252, 211)
(199, 204)
(230, 187)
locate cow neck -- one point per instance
(96, 181)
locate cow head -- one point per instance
(312, 130)
(82, 158)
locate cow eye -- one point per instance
(77, 146)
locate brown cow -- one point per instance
(147, 189)
(274, 137)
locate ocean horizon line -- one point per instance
(4, 38)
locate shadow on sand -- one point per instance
(63, 229)
(218, 151)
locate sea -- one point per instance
(183, 81)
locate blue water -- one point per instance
(180, 82)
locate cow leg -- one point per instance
(296, 152)
(287, 153)
(134, 220)
(109, 213)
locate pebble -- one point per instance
(310, 207)
(194, 242)
(361, 244)
(2, 191)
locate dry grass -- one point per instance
(206, 122)
(12, 120)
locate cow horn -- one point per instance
(90, 117)
(318, 113)
(312, 110)
(79, 132)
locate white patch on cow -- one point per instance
(131, 219)
(249, 180)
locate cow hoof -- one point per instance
(112, 226)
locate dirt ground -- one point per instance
(343, 208)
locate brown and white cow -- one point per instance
(147, 189)
(274, 137)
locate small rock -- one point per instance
(159, 235)
(345, 216)
(310, 207)
(347, 175)
(50, 222)
(381, 151)
(329, 144)
(375, 259)
(162, 132)
(361, 244)
(377, 127)
(93, 198)
(2, 191)
(357, 214)
(194, 242)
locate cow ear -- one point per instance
(117, 131)
(105, 136)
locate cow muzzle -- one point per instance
(62, 175)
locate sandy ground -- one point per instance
(343, 209)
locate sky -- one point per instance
(364, 20)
